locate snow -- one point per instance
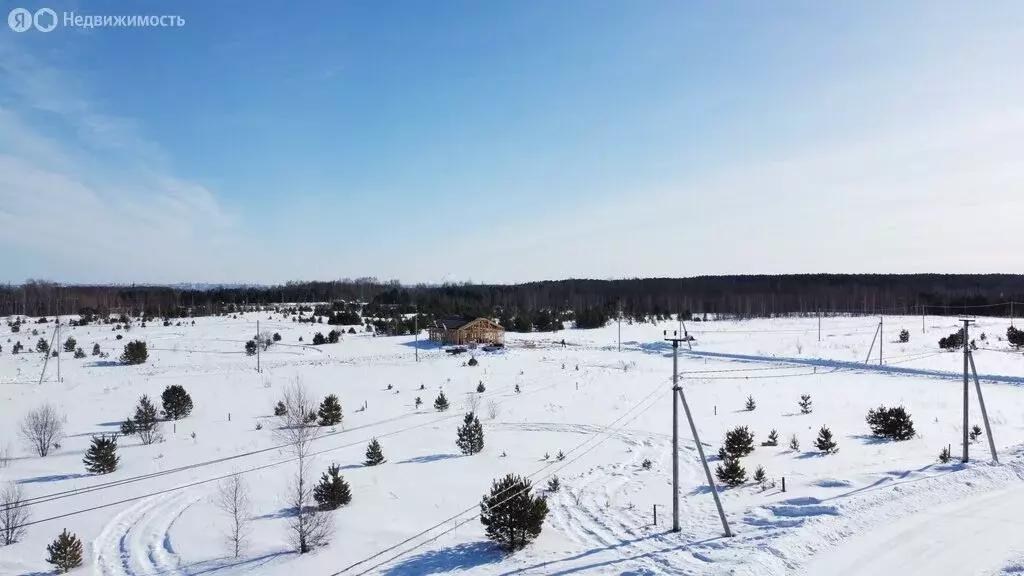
(891, 502)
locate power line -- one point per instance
(471, 508)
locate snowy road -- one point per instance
(966, 537)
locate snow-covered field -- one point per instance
(607, 410)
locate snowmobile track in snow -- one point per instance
(137, 541)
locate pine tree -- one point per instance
(480, 387)
(128, 427)
(473, 361)
(554, 484)
(419, 401)
(794, 443)
(135, 352)
(146, 421)
(318, 339)
(96, 349)
(824, 441)
(893, 423)
(751, 405)
(470, 435)
(374, 454)
(176, 402)
(441, 402)
(730, 472)
(42, 346)
(330, 411)
(805, 403)
(101, 457)
(332, 492)
(739, 442)
(250, 348)
(280, 409)
(65, 552)
(70, 344)
(904, 336)
(511, 515)
(773, 438)
(975, 433)
(759, 475)
(944, 456)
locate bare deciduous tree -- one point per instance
(493, 409)
(472, 402)
(13, 514)
(42, 428)
(265, 339)
(232, 498)
(308, 528)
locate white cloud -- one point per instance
(92, 199)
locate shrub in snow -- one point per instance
(441, 402)
(176, 401)
(79, 353)
(759, 475)
(70, 344)
(893, 423)
(511, 515)
(554, 484)
(318, 339)
(1015, 337)
(250, 348)
(418, 401)
(730, 472)
(738, 442)
(944, 455)
(805, 403)
(65, 553)
(280, 409)
(904, 336)
(480, 387)
(374, 454)
(646, 464)
(333, 336)
(824, 441)
(332, 492)
(54, 354)
(953, 341)
(473, 361)
(42, 346)
(135, 352)
(101, 457)
(470, 438)
(330, 411)
(975, 433)
(119, 336)
(276, 337)
(751, 405)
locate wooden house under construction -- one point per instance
(461, 331)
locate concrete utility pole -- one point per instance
(416, 329)
(967, 357)
(819, 325)
(620, 326)
(259, 345)
(881, 338)
(984, 413)
(678, 391)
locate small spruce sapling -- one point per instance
(374, 454)
(441, 402)
(944, 456)
(805, 404)
(553, 484)
(480, 387)
(731, 473)
(332, 492)
(824, 441)
(65, 553)
(773, 438)
(975, 433)
(759, 475)
(751, 405)
(101, 457)
(794, 443)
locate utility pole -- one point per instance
(967, 357)
(678, 391)
(922, 319)
(984, 413)
(259, 345)
(819, 325)
(416, 329)
(881, 339)
(620, 326)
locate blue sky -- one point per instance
(511, 141)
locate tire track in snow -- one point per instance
(137, 541)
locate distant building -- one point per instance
(460, 331)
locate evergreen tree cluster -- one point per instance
(135, 352)
(892, 423)
(1015, 337)
(954, 341)
(738, 443)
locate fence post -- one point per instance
(783, 483)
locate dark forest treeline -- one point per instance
(734, 296)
